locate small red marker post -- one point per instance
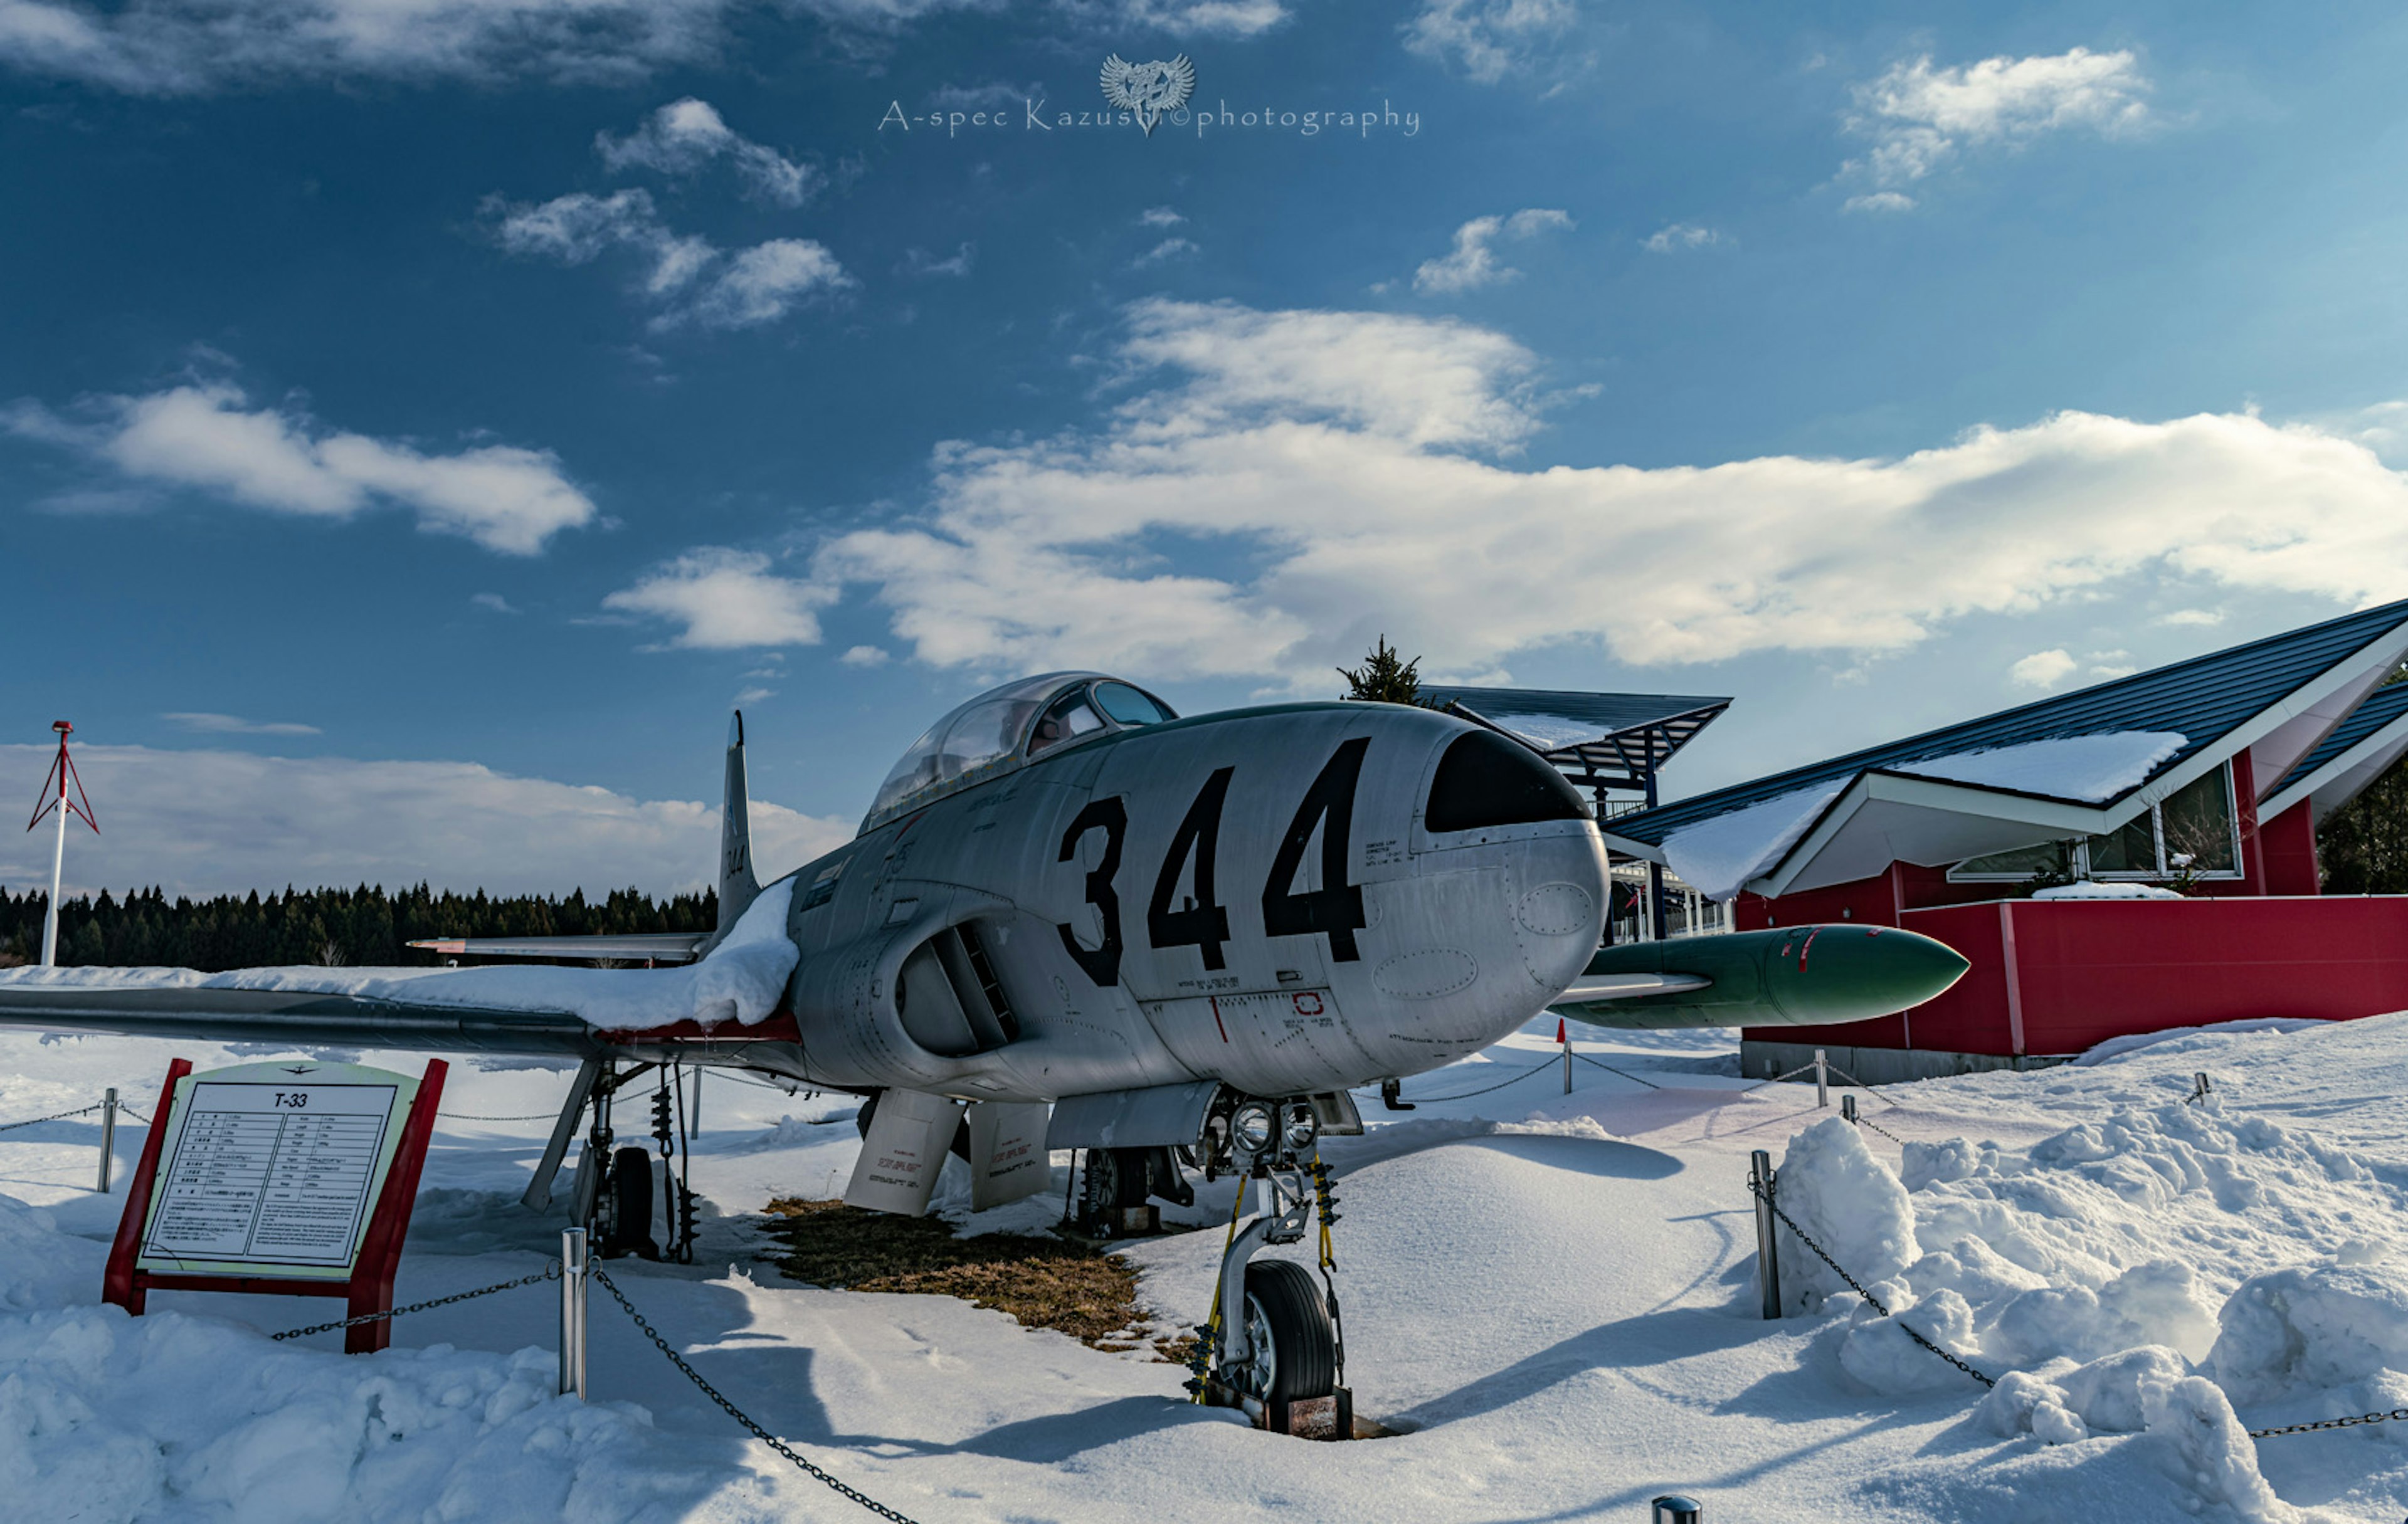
(1566, 1043)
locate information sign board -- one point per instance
(273, 1168)
(287, 1178)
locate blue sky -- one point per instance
(433, 408)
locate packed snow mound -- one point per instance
(2088, 767)
(2114, 1278)
(98, 1419)
(2315, 1328)
(2090, 889)
(741, 980)
(1718, 855)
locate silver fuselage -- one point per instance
(1078, 876)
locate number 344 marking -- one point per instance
(1335, 910)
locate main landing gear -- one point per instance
(1275, 1346)
(618, 1191)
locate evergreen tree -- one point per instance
(1385, 678)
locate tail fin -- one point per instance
(737, 884)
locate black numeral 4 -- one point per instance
(1204, 922)
(1336, 907)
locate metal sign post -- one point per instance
(573, 1266)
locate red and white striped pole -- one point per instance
(63, 770)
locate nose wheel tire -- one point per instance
(627, 1226)
(1295, 1352)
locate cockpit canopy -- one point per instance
(1003, 728)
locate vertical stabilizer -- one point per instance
(737, 884)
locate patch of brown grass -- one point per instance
(1042, 1281)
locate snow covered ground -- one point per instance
(1551, 1296)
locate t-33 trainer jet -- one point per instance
(1074, 919)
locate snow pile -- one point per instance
(98, 1419)
(2085, 767)
(741, 980)
(2090, 889)
(1717, 856)
(2076, 1273)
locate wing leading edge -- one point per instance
(296, 1017)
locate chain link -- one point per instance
(2396, 1413)
(1868, 1121)
(1612, 1070)
(549, 1272)
(56, 1116)
(1759, 1191)
(737, 1413)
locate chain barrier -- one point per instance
(549, 1272)
(1802, 1069)
(477, 1117)
(737, 1413)
(1868, 1121)
(1804, 1237)
(54, 1116)
(1546, 1062)
(1612, 1070)
(2399, 1414)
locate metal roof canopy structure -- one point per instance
(1599, 740)
(2280, 699)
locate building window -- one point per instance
(2193, 833)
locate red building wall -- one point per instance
(2056, 976)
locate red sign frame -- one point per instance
(371, 1286)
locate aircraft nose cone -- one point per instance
(1846, 971)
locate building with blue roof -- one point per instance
(2132, 856)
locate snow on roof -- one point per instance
(2092, 768)
(2090, 889)
(741, 980)
(1716, 857)
(1545, 732)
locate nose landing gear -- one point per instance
(1274, 1346)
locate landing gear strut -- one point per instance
(1274, 1346)
(614, 1195)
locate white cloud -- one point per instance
(2201, 618)
(864, 656)
(206, 436)
(683, 137)
(1159, 217)
(235, 725)
(726, 599)
(1473, 262)
(2042, 669)
(1488, 39)
(919, 262)
(1681, 236)
(695, 281)
(1880, 201)
(492, 601)
(1919, 117)
(207, 822)
(175, 47)
(754, 695)
(1314, 472)
(1168, 248)
(1236, 19)
(765, 282)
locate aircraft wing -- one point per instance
(660, 946)
(290, 1017)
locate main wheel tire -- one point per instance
(1287, 1322)
(630, 1204)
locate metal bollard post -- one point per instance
(107, 1136)
(1822, 1081)
(1768, 1253)
(1568, 1067)
(2199, 1086)
(1848, 1108)
(572, 1312)
(1673, 1508)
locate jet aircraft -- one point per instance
(1073, 920)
